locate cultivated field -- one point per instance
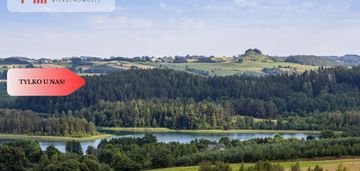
(330, 165)
(232, 68)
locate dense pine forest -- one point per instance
(28, 122)
(328, 98)
(334, 89)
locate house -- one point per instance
(216, 147)
(153, 59)
(191, 60)
(44, 61)
(167, 60)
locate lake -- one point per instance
(173, 137)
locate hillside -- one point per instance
(13, 60)
(254, 55)
(252, 63)
(311, 60)
(350, 60)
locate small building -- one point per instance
(167, 60)
(191, 60)
(153, 59)
(44, 61)
(216, 147)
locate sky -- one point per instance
(181, 27)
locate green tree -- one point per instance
(218, 166)
(91, 162)
(162, 157)
(74, 147)
(221, 166)
(265, 166)
(327, 134)
(341, 167)
(91, 150)
(12, 159)
(68, 165)
(226, 141)
(318, 168)
(121, 162)
(149, 138)
(296, 167)
(51, 151)
(205, 166)
(242, 167)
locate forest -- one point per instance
(28, 122)
(187, 114)
(312, 60)
(324, 90)
(133, 154)
(327, 98)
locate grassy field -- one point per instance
(230, 68)
(58, 65)
(160, 130)
(331, 165)
(51, 138)
(122, 64)
(219, 69)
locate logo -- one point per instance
(36, 1)
(61, 5)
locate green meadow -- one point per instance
(232, 68)
(351, 164)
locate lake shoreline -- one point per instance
(51, 138)
(162, 135)
(207, 131)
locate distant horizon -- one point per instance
(115, 56)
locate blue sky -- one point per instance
(180, 27)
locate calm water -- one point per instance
(172, 137)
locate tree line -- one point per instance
(328, 98)
(284, 150)
(326, 89)
(259, 166)
(180, 114)
(28, 122)
(220, 114)
(133, 154)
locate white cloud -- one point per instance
(219, 8)
(191, 23)
(120, 22)
(246, 3)
(188, 23)
(171, 8)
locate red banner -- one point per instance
(42, 82)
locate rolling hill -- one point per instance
(312, 60)
(252, 62)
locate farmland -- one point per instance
(232, 68)
(331, 165)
